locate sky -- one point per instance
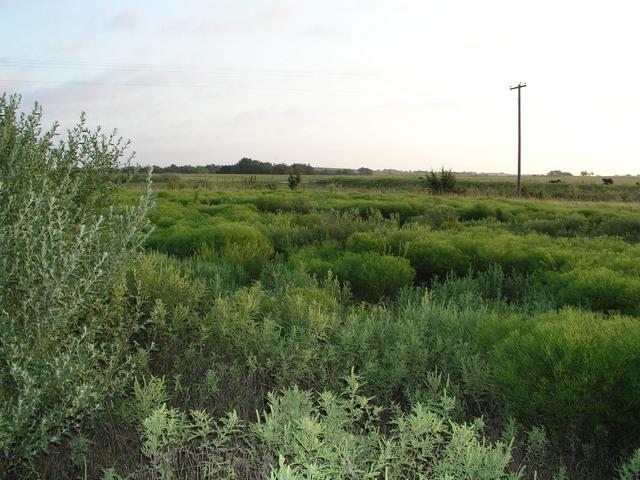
(401, 84)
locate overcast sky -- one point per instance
(407, 84)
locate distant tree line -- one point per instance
(256, 167)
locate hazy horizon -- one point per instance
(405, 85)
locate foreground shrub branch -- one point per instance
(65, 320)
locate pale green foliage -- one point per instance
(169, 437)
(166, 427)
(469, 456)
(284, 471)
(111, 474)
(79, 449)
(510, 430)
(536, 446)
(211, 382)
(65, 319)
(148, 395)
(167, 433)
(325, 436)
(630, 470)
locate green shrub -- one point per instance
(441, 216)
(235, 243)
(159, 278)
(436, 258)
(514, 253)
(372, 276)
(328, 250)
(566, 226)
(181, 240)
(600, 289)
(282, 203)
(573, 371)
(318, 267)
(479, 211)
(400, 239)
(361, 242)
(627, 227)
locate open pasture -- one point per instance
(624, 188)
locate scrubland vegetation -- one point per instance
(320, 334)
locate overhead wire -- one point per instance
(194, 71)
(184, 85)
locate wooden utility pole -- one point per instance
(519, 87)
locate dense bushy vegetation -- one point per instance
(66, 322)
(290, 335)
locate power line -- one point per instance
(196, 69)
(185, 85)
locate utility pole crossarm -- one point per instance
(519, 87)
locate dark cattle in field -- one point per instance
(555, 181)
(607, 181)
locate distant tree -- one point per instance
(294, 180)
(433, 181)
(443, 182)
(365, 171)
(447, 180)
(584, 173)
(559, 173)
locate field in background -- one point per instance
(624, 189)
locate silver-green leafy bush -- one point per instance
(325, 436)
(66, 321)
